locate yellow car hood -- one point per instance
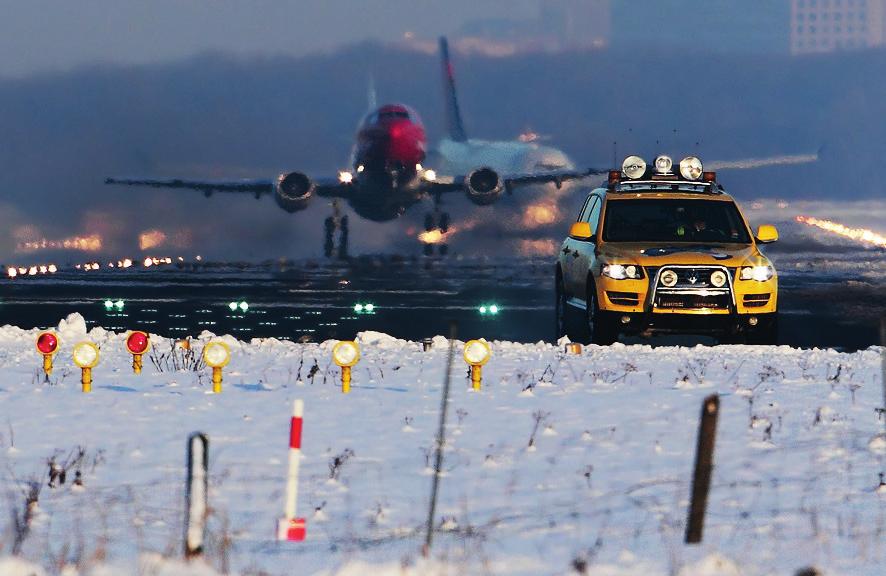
(660, 254)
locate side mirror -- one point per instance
(581, 231)
(766, 234)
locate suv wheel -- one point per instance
(601, 330)
(563, 316)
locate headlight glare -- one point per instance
(621, 271)
(758, 273)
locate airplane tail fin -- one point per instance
(454, 126)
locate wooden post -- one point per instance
(196, 494)
(704, 464)
(441, 442)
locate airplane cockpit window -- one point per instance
(393, 114)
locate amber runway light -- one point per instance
(477, 353)
(216, 354)
(346, 354)
(86, 357)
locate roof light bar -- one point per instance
(633, 167)
(663, 164)
(691, 168)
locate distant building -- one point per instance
(833, 25)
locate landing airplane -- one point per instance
(388, 172)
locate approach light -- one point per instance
(663, 164)
(346, 354)
(345, 177)
(633, 167)
(53, 268)
(85, 356)
(47, 345)
(429, 175)
(718, 279)
(691, 168)
(137, 344)
(477, 353)
(668, 278)
(216, 354)
(148, 262)
(244, 306)
(11, 272)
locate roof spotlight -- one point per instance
(633, 167)
(691, 168)
(663, 164)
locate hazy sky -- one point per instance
(50, 35)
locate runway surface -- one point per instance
(835, 301)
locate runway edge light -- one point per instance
(137, 343)
(216, 354)
(346, 354)
(47, 345)
(476, 354)
(86, 357)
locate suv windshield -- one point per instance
(673, 220)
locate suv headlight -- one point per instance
(622, 271)
(758, 273)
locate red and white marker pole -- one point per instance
(289, 527)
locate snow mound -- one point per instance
(12, 566)
(380, 340)
(711, 565)
(72, 328)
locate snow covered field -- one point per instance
(559, 461)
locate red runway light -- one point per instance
(47, 343)
(137, 343)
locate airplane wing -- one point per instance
(326, 187)
(488, 181)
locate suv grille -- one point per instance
(693, 290)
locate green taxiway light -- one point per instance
(233, 306)
(489, 309)
(119, 304)
(361, 308)
(244, 306)
(109, 304)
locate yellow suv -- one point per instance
(664, 249)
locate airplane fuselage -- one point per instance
(390, 149)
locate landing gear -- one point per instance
(436, 221)
(336, 222)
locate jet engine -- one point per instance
(484, 186)
(293, 191)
